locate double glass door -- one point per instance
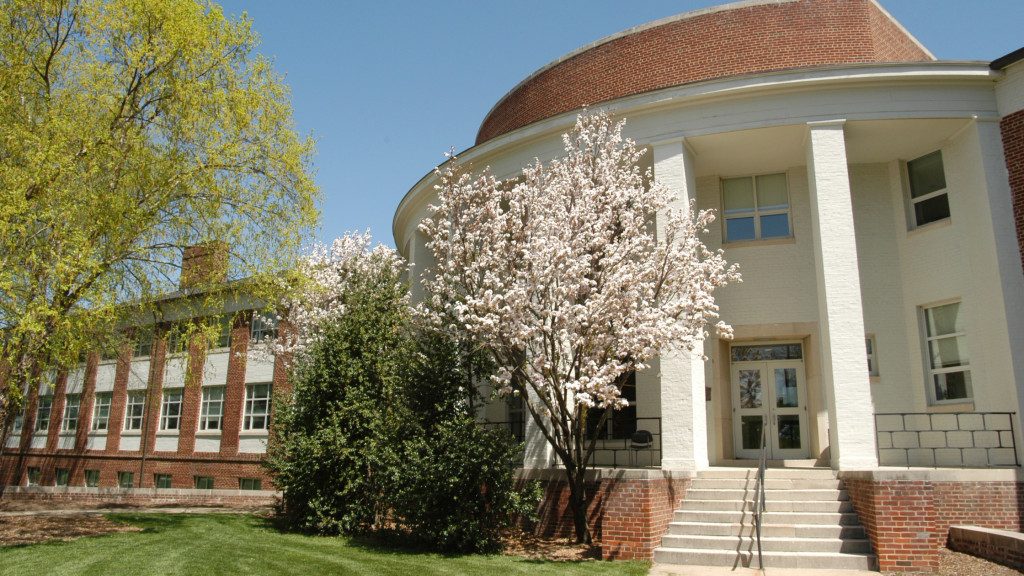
(770, 393)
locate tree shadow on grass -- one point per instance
(151, 523)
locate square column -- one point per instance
(538, 452)
(684, 432)
(844, 372)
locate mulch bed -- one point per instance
(527, 545)
(18, 530)
(959, 564)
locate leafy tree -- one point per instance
(379, 433)
(561, 276)
(129, 130)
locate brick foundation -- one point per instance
(907, 516)
(628, 510)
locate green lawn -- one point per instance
(236, 544)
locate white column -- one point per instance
(684, 433)
(844, 373)
(538, 452)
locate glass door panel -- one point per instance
(769, 393)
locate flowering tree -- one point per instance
(560, 276)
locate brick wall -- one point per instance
(628, 512)
(1000, 547)
(744, 40)
(908, 520)
(1012, 127)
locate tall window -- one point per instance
(101, 411)
(756, 207)
(70, 421)
(263, 328)
(224, 323)
(125, 479)
(517, 417)
(257, 407)
(170, 410)
(948, 363)
(212, 409)
(143, 343)
(19, 421)
(133, 410)
(43, 407)
(928, 197)
(621, 423)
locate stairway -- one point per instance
(809, 522)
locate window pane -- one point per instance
(771, 192)
(952, 386)
(737, 229)
(931, 210)
(789, 431)
(750, 388)
(944, 320)
(775, 226)
(738, 195)
(947, 352)
(926, 174)
(750, 430)
(786, 392)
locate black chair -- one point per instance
(640, 440)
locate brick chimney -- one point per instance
(204, 264)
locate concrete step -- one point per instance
(770, 494)
(770, 473)
(770, 484)
(770, 506)
(769, 530)
(774, 544)
(769, 518)
(772, 559)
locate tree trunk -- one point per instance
(578, 505)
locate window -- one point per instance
(110, 351)
(257, 407)
(517, 417)
(133, 410)
(19, 421)
(170, 410)
(34, 476)
(62, 476)
(948, 363)
(249, 484)
(621, 423)
(101, 412)
(125, 479)
(143, 343)
(756, 207)
(869, 342)
(212, 410)
(224, 324)
(928, 198)
(162, 480)
(177, 338)
(43, 413)
(92, 478)
(71, 405)
(204, 482)
(263, 328)
(758, 352)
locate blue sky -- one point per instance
(387, 87)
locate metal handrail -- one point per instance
(759, 497)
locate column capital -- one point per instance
(834, 123)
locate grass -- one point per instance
(223, 544)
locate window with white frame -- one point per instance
(212, 410)
(929, 201)
(70, 421)
(133, 410)
(869, 342)
(170, 410)
(263, 328)
(257, 407)
(43, 407)
(756, 208)
(101, 412)
(224, 324)
(949, 374)
(143, 345)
